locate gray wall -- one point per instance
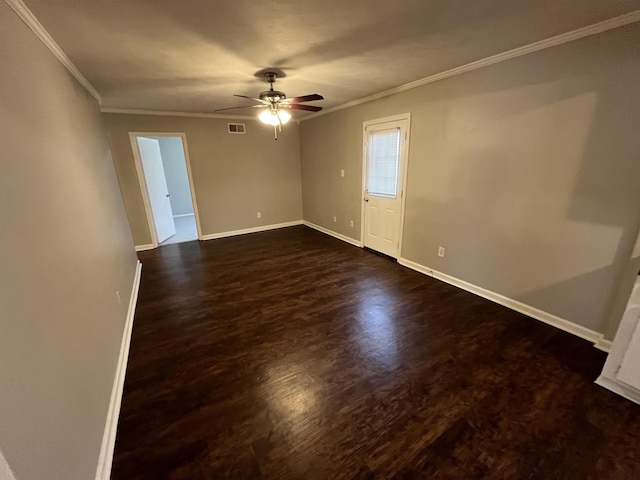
(175, 171)
(234, 176)
(528, 172)
(66, 249)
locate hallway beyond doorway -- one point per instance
(186, 230)
(164, 174)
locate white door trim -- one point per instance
(403, 181)
(5, 470)
(143, 185)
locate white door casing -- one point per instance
(621, 372)
(384, 172)
(156, 185)
(133, 136)
(629, 369)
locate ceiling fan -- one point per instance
(276, 104)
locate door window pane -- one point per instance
(384, 148)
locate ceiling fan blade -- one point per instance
(252, 98)
(296, 106)
(305, 98)
(236, 108)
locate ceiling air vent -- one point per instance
(236, 128)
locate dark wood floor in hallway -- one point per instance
(292, 355)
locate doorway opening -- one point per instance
(385, 154)
(164, 172)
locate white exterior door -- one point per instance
(385, 163)
(156, 183)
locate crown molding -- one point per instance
(36, 27)
(567, 37)
(172, 113)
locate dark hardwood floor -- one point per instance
(290, 354)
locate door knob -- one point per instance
(168, 195)
(366, 199)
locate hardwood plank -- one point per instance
(290, 354)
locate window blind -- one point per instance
(382, 175)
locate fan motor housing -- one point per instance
(272, 95)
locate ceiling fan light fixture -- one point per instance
(274, 118)
(268, 117)
(276, 104)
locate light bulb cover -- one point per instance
(274, 118)
(269, 117)
(284, 116)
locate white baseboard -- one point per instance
(337, 235)
(184, 215)
(105, 459)
(148, 246)
(619, 388)
(548, 318)
(244, 231)
(603, 344)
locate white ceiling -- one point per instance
(192, 55)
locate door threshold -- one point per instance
(380, 254)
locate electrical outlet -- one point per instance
(118, 296)
(259, 214)
(441, 251)
(351, 223)
(342, 172)
(335, 219)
